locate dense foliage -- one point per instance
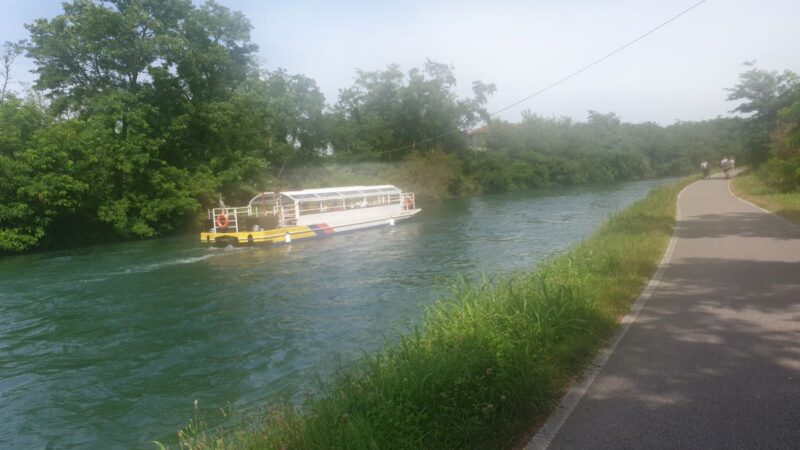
(766, 97)
(539, 152)
(145, 112)
(773, 129)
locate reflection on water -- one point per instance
(109, 346)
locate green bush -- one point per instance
(782, 175)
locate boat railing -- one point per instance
(227, 216)
(213, 213)
(288, 216)
(262, 210)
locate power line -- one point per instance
(598, 61)
(556, 83)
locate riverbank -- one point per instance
(752, 188)
(487, 363)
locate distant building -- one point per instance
(476, 138)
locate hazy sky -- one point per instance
(678, 73)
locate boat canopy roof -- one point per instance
(263, 199)
(340, 192)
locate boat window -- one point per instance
(333, 205)
(310, 207)
(348, 192)
(262, 204)
(263, 199)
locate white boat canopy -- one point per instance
(340, 192)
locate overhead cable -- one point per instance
(556, 83)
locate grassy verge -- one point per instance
(487, 363)
(751, 187)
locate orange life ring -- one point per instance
(409, 203)
(222, 220)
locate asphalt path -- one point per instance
(710, 358)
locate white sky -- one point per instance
(678, 73)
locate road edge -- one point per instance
(777, 216)
(542, 439)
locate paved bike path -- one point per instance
(713, 358)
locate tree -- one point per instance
(763, 94)
(387, 114)
(95, 48)
(212, 53)
(38, 175)
(150, 93)
(296, 117)
(782, 170)
(785, 137)
(10, 51)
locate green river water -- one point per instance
(109, 346)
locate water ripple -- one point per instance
(109, 346)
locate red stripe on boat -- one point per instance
(325, 228)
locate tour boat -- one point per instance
(281, 217)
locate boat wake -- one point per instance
(142, 268)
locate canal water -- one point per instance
(109, 346)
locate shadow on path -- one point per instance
(740, 224)
(710, 362)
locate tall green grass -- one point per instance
(487, 364)
(754, 188)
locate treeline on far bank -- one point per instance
(539, 152)
(143, 114)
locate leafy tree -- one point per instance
(785, 136)
(38, 176)
(213, 54)
(782, 171)
(298, 133)
(95, 48)
(763, 94)
(386, 114)
(19, 121)
(9, 53)
(149, 93)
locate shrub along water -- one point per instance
(487, 363)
